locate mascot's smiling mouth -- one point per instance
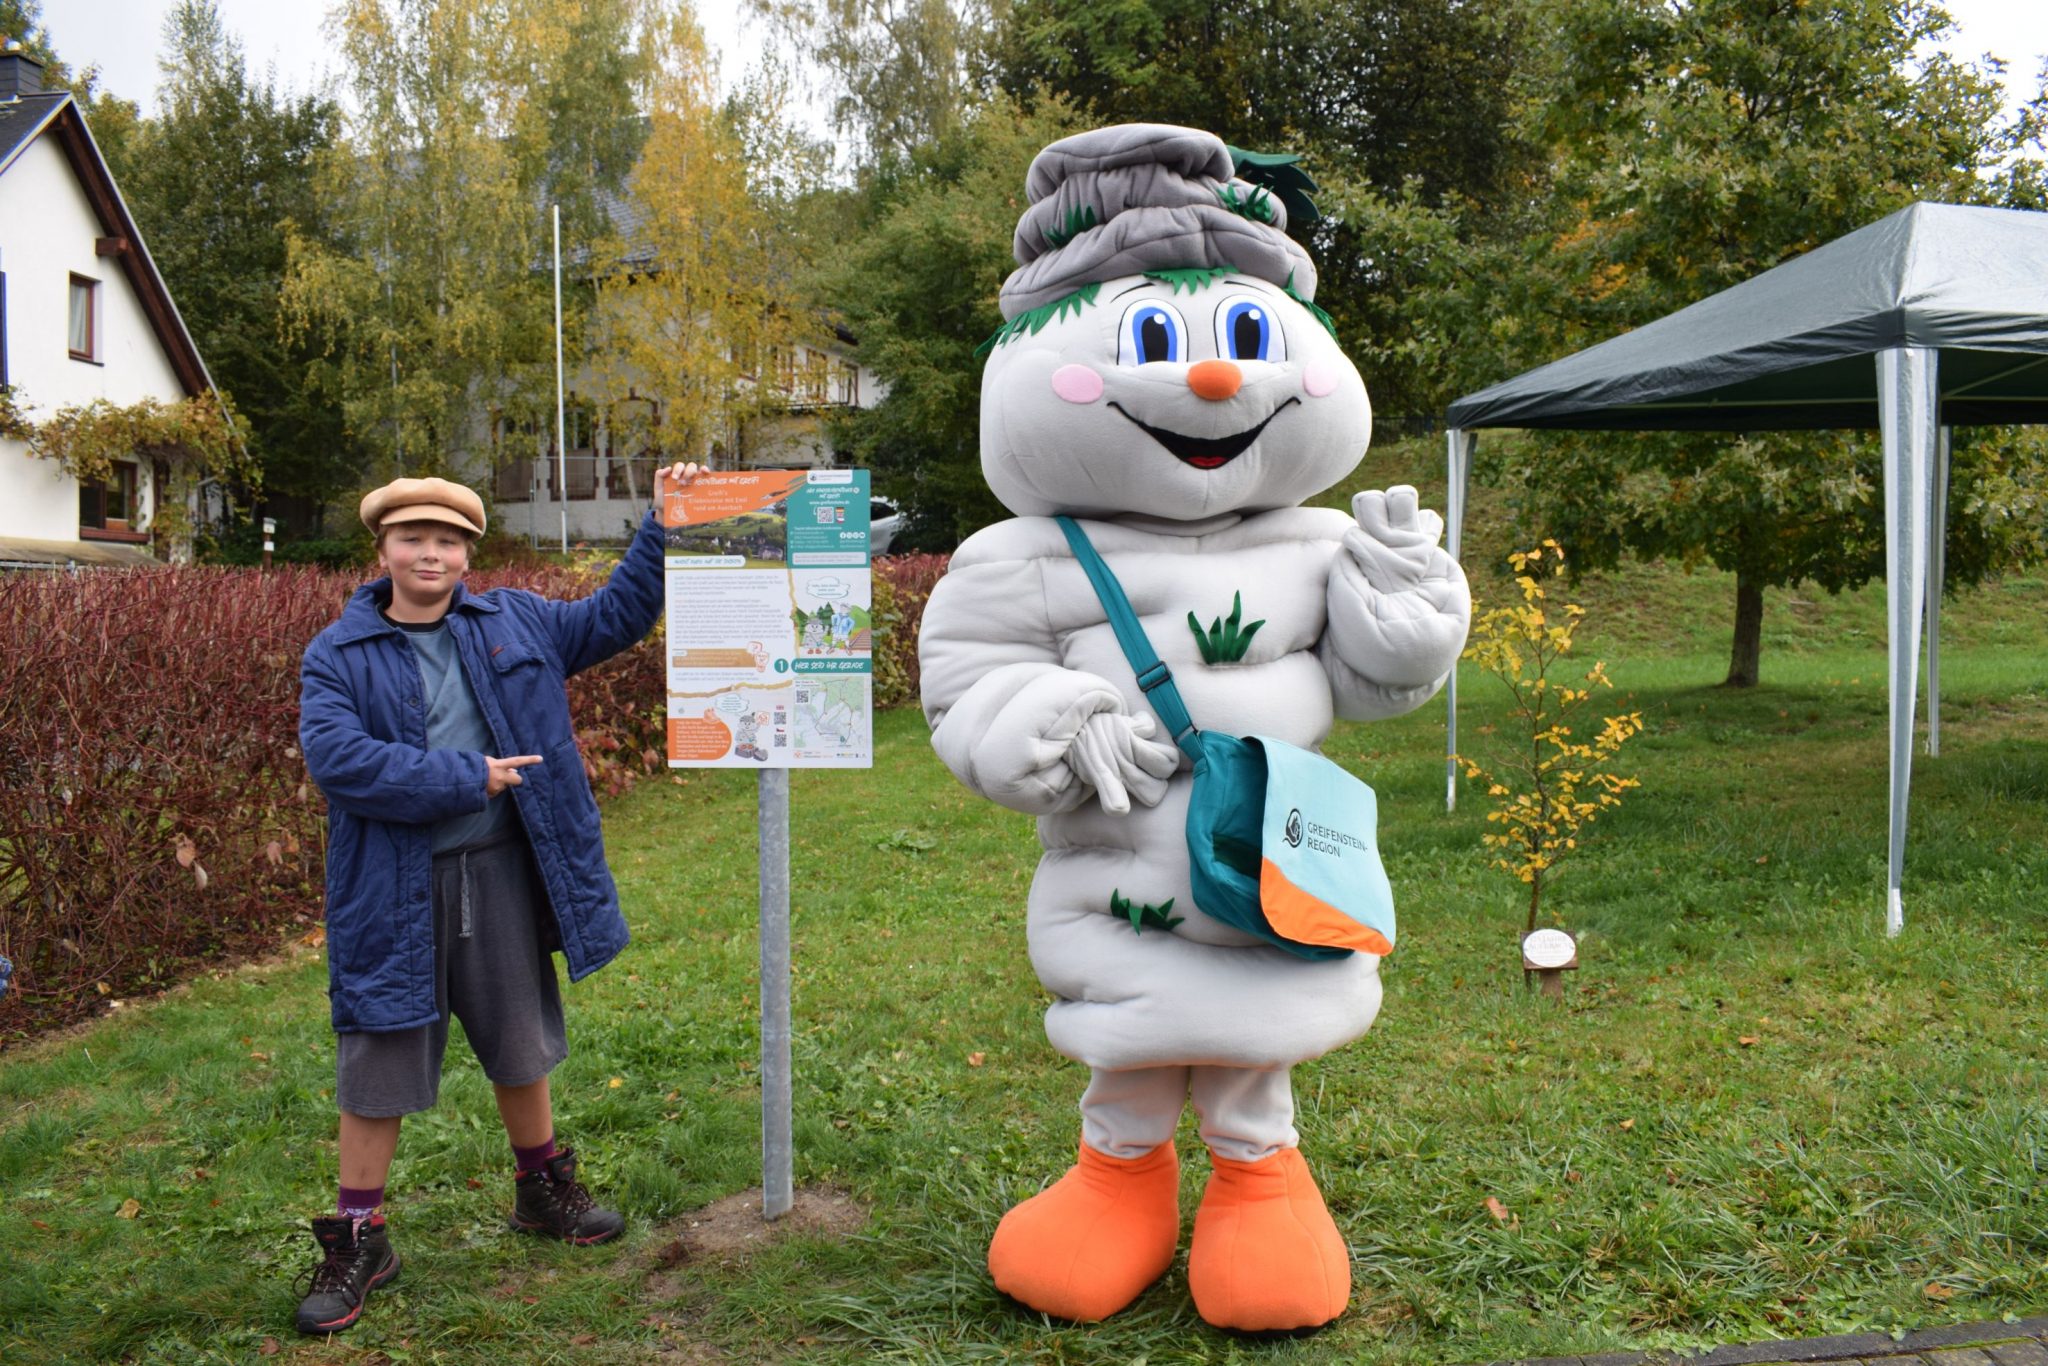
(1204, 452)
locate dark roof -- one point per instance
(22, 119)
(21, 122)
(1793, 347)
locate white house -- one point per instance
(83, 316)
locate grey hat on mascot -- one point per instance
(1120, 201)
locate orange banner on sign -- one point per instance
(714, 497)
(698, 738)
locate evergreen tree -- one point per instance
(212, 180)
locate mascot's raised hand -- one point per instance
(1164, 378)
(1399, 604)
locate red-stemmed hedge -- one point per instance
(155, 811)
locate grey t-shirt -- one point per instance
(455, 721)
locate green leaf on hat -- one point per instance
(1079, 220)
(1278, 172)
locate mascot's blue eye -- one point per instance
(1151, 331)
(1247, 330)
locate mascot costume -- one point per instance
(1164, 378)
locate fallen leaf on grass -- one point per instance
(976, 1059)
(39, 1224)
(1497, 1210)
(615, 1083)
(583, 1340)
(129, 1209)
(314, 937)
(188, 852)
(1747, 1040)
(1627, 1124)
(259, 1057)
(271, 1347)
(274, 851)
(1937, 1291)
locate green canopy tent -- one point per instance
(1933, 317)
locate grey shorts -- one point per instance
(493, 970)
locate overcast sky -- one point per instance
(122, 37)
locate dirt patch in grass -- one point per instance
(728, 1232)
(732, 1229)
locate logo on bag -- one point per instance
(1294, 828)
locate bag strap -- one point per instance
(1155, 680)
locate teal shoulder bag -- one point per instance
(1282, 842)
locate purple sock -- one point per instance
(359, 1203)
(530, 1159)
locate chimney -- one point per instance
(20, 74)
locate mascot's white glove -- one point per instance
(1398, 601)
(1115, 754)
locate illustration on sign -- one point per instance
(770, 620)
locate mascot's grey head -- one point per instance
(1161, 351)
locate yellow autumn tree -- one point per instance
(427, 281)
(1545, 782)
(699, 315)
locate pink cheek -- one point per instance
(1318, 379)
(1077, 383)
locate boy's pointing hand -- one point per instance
(504, 773)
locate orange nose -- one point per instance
(1214, 379)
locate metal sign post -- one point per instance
(777, 1144)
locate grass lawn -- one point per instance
(1752, 1117)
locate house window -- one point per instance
(849, 385)
(85, 307)
(110, 506)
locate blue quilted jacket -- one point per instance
(363, 727)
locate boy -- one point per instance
(463, 850)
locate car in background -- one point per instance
(885, 519)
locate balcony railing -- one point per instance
(622, 477)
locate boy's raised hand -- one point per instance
(682, 472)
(504, 773)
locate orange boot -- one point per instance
(1090, 1243)
(1266, 1254)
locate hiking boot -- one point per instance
(357, 1258)
(552, 1202)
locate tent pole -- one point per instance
(1907, 404)
(1460, 455)
(1937, 566)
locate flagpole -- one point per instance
(561, 438)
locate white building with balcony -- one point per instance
(610, 463)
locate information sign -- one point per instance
(770, 620)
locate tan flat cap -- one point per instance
(424, 500)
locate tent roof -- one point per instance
(1791, 347)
